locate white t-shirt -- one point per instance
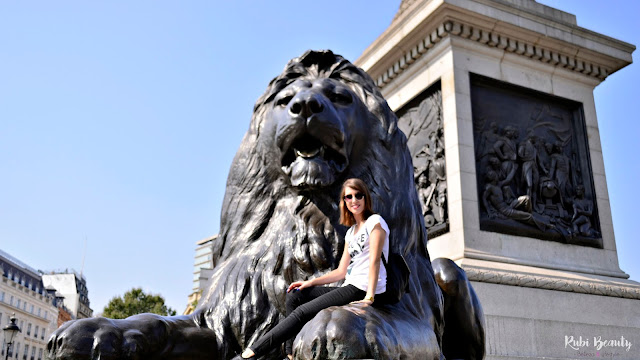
(358, 248)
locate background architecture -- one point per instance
(22, 293)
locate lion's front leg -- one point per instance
(463, 314)
(145, 336)
(366, 332)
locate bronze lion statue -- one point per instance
(320, 122)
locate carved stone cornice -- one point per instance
(592, 287)
(497, 40)
(420, 25)
(412, 55)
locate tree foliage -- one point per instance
(136, 301)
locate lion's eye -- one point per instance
(284, 100)
(341, 96)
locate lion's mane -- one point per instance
(273, 233)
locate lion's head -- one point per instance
(315, 119)
(320, 122)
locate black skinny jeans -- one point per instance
(302, 306)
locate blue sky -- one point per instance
(119, 120)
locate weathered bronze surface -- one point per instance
(532, 164)
(421, 121)
(320, 122)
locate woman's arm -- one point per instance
(376, 242)
(328, 278)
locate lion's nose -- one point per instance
(306, 104)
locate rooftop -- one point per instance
(19, 263)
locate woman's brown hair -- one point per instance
(346, 217)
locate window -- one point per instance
(24, 305)
(2, 296)
(17, 349)
(31, 309)
(21, 324)
(39, 311)
(35, 333)
(42, 333)
(29, 329)
(0, 318)
(46, 315)
(18, 306)
(26, 352)
(33, 352)
(11, 300)
(40, 354)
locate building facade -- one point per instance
(23, 295)
(71, 287)
(202, 270)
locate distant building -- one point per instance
(64, 314)
(202, 271)
(71, 287)
(22, 293)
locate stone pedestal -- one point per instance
(542, 286)
(534, 313)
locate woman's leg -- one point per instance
(293, 300)
(291, 325)
(297, 298)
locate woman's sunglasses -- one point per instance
(359, 196)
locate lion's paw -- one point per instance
(335, 333)
(105, 339)
(366, 332)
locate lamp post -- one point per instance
(10, 332)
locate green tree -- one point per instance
(135, 301)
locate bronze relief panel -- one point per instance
(421, 122)
(533, 166)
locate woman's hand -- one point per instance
(299, 285)
(365, 302)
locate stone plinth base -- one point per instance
(532, 321)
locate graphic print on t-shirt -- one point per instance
(355, 247)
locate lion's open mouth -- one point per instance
(309, 161)
(308, 147)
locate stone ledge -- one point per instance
(542, 281)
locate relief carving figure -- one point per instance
(437, 175)
(519, 209)
(425, 195)
(503, 181)
(554, 187)
(560, 169)
(505, 150)
(582, 211)
(528, 154)
(320, 122)
(487, 140)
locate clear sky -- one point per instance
(119, 120)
